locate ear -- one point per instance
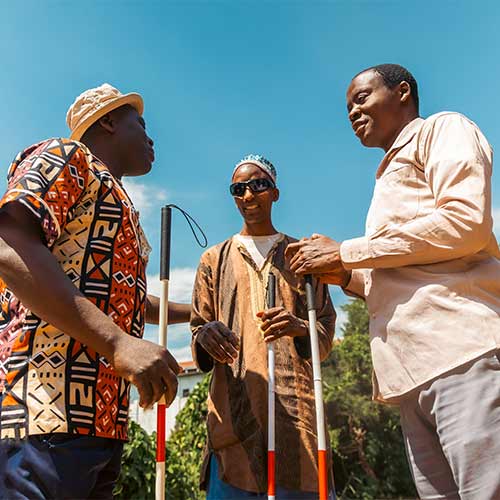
(276, 194)
(404, 91)
(108, 123)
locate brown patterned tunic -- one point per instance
(229, 288)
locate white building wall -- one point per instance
(147, 418)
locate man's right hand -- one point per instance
(150, 367)
(218, 341)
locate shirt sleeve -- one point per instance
(457, 163)
(49, 179)
(326, 316)
(202, 312)
(356, 286)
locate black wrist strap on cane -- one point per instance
(190, 220)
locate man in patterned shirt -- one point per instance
(73, 304)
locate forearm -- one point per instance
(446, 234)
(30, 270)
(177, 312)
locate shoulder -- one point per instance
(446, 116)
(448, 119)
(55, 151)
(453, 129)
(213, 253)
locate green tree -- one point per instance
(185, 446)
(137, 476)
(368, 450)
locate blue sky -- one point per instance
(222, 79)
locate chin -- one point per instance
(139, 171)
(368, 142)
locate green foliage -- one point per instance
(185, 446)
(369, 457)
(184, 453)
(137, 476)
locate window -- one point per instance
(185, 393)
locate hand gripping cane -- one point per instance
(166, 224)
(271, 468)
(318, 391)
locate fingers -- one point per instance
(292, 249)
(220, 342)
(276, 330)
(299, 264)
(172, 363)
(269, 313)
(170, 385)
(230, 336)
(216, 350)
(145, 389)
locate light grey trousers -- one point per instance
(451, 429)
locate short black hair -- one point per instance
(394, 74)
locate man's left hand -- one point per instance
(278, 322)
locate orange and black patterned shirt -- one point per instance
(49, 381)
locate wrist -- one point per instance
(304, 328)
(347, 278)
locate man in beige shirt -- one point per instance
(429, 270)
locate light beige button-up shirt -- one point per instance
(429, 265)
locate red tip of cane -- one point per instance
(160, 432)
(322, 475)
(271, 479)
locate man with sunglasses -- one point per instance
(231, 328)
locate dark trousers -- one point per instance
(59, 466)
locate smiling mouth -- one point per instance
(357, 128)
(250, 207)
(151, 155)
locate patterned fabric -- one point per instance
(261, 162)
(51, 382)
(230, 288)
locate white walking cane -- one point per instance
(165, 233)
(318, 390)
(271, 463)
(166, 224)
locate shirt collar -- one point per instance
(404, 137)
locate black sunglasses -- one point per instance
(256, 186)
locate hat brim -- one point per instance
(133, 99)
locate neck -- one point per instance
(107, 156)
(409, 117)
(262, 229)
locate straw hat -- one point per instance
(94, 104)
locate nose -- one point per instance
(248, 194)
(354, 114)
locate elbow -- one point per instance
(479, 234)
(471, 228)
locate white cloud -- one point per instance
(496, 221)
(180, 284)
(145, 197)
(182, 353)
